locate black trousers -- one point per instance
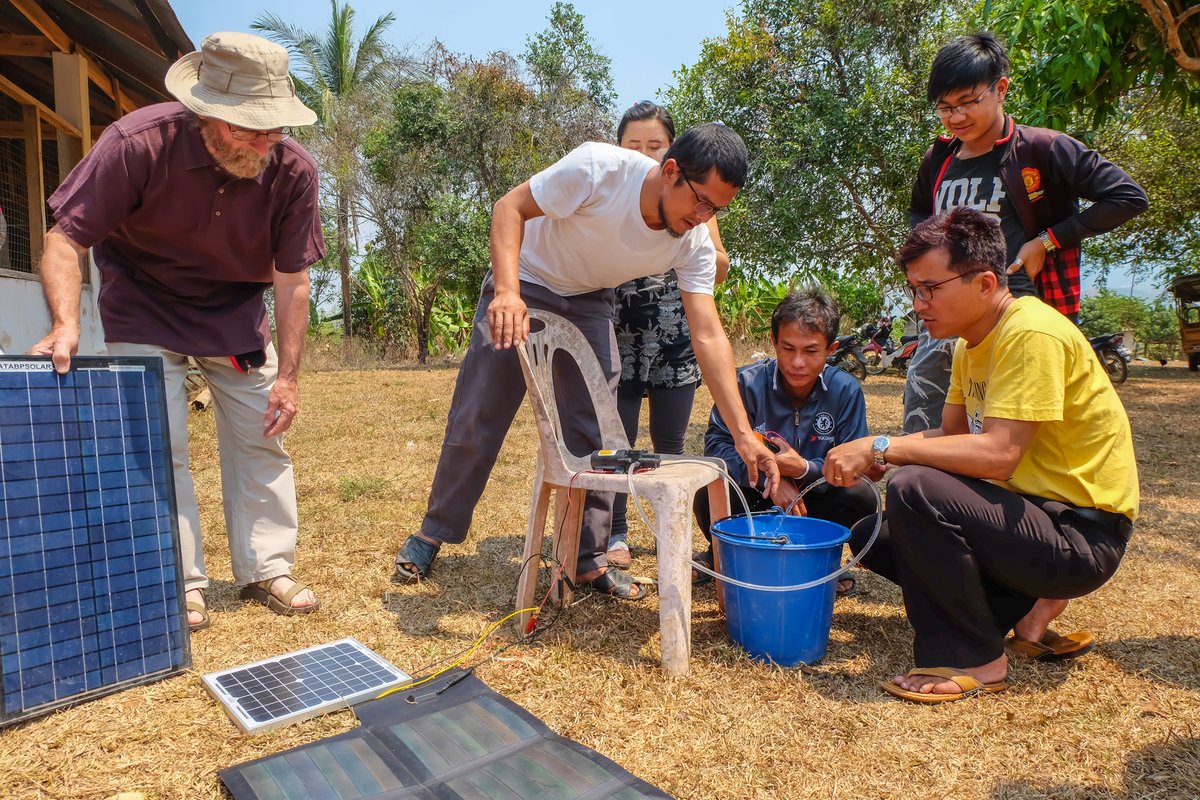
(971, 558)
(670, 412)
(487, 396)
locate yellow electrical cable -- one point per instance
(467, 655)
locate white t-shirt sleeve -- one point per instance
(696, 266)
(560, 189)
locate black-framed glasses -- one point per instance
(964, 108)
(703, 207)
(250, 135)
(924, 292)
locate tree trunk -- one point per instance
(343, 229)
(424, 324)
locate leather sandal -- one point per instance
(618, 584)
(202, 610)
(1052, 646)
(418, 554)
(967, 683)
(260, 593)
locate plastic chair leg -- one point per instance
(568, 520)
(674, 514)
(531, 558)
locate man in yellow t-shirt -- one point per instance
(1023, 498)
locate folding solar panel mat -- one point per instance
(300, 685)
(91, 596)
(466, 742)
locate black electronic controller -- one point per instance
(621, 460)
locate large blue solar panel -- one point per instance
(91, 597)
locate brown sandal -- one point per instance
(200, 609)
(1052, 646)
(258, 593)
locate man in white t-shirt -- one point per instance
(561, 241)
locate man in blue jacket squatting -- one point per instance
(803, 408)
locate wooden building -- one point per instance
(68, 68)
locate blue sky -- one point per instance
(646, 44)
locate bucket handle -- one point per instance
(808, 584)
(772, 511)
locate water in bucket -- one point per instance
(787, 628)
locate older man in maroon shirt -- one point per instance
(192, 209)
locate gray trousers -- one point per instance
(927, 381)
(257, 484)
(487, 396)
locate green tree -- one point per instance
(1158, 145)
(1082, 58)
(1154, 324)
(572, 81)
(1107, 312)
(459, 139)
(829, 97)
(340, 78)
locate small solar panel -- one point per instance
(296, 686)
(91, 596)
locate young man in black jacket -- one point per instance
(1031, 179)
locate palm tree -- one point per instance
(336, 76)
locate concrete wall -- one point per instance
(24, 318)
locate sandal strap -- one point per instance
(419, 553)
(965, 682)
(618, 584)
(296, 588)
(291, 593)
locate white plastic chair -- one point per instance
(669, 489)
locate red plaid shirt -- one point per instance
(1058, 282)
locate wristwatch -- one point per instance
(879, 448)
(1047, 241)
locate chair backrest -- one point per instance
(537, 363)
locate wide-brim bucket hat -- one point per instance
(241, 79)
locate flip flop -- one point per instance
(850, 590)
(969, 685)
(620, 585)
(418, 553)
(257, 593)
(1052, 646)
(200, 609)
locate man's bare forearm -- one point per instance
(62, 278)
(291, 320)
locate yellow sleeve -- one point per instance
(958, 369)
(1028, 378)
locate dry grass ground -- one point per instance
(1121, 723)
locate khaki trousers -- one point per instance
(256, 473)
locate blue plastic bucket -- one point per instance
(788, 628)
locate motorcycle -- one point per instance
(846, 355)
(879, 353)
(1113, 355)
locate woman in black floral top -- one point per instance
(652, 333)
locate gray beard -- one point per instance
(662, 214)
(238, 163)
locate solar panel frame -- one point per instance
(89, 544)
(295, 686)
